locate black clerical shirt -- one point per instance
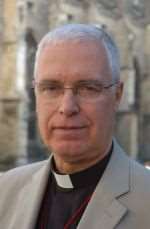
(67, 196)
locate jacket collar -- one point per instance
(105, 210)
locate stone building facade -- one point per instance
(9, 98)
(129, 23)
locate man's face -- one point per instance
(76, 130)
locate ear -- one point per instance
(118, 94)
(34, 90)
(33, 84)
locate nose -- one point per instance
(69, 105)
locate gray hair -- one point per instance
(84, 32)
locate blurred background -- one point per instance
(23, 23)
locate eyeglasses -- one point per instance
(52, 91)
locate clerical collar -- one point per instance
(83, 178)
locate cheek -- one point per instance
(44, 111)
(102, 117)
(44, 116)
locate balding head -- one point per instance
(83, 32)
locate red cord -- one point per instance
(77, 213)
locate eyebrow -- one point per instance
(89, 81)
(46, 81)
(50, 81)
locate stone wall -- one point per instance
(1, 33)
(129, 23)
(9, 99)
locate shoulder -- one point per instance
(134, 174)
(135, 179)
(138, 195)
(21, 173)
(138, 174)
(140, 177)
(137, 198)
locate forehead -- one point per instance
(74, 58)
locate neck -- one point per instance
(69, 167)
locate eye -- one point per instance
(48, 87)
(91, 87)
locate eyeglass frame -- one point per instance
(75, 89)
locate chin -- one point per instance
(69, 152)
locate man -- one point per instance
(88, 182)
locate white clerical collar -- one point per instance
(63, 181)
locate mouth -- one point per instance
(69, 133)
(69, 127)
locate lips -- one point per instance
(69, 132)
(69, 127)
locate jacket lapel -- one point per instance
(105, 210)
(28, 207)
